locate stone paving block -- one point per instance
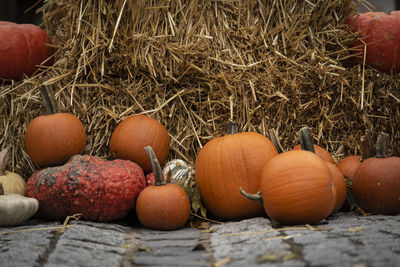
(25, 248)
(94, 244)
(190, 260)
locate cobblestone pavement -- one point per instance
(345, 239)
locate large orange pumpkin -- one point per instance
(133, 134)
(226, 163)
(297, 188)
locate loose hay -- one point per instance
(282, 64)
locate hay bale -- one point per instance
(193, 65)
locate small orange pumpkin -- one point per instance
(348, 165)
(339, 184)
(162, 206)
(136, 132)
(296, 188)
(376, 182)
(338, 180)
(50, 140)
(319, 151)
(226, 163)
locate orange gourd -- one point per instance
(162, 206)
(226, 163)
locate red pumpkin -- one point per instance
(226, 163)
(376, 182)
(381, 34)
(136, 132)
(98, 189)
(50, 140)
(297, 188)
(162, 206)
(22, 48)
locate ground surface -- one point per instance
(346, 239)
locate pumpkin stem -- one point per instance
(155, 165)
(3, 160)
(367, 147)
(253, 197)
(273, 136)
(1, 189)
(306, 141)
(232, 128)
(382, 145)
(49, 100)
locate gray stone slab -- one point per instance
(189, 260)
(25, 245)
(93, 244)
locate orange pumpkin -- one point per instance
(348, 165)
(376, 182)
(339, 184)
(50, 140)
(226, 163)
(338, 180)
(296, 188)
(320, 152)
(136, 132)
(162, 206)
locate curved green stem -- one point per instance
(306, 141)
(155, 165)
(253, 197)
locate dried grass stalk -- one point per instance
(281, 63)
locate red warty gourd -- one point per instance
(133, 134)
(379, 34)
(162, 206)
(100, 190)
(22, 48)
(226, 163)
(376, 182)
(50, 140)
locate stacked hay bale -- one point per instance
(193, 65)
